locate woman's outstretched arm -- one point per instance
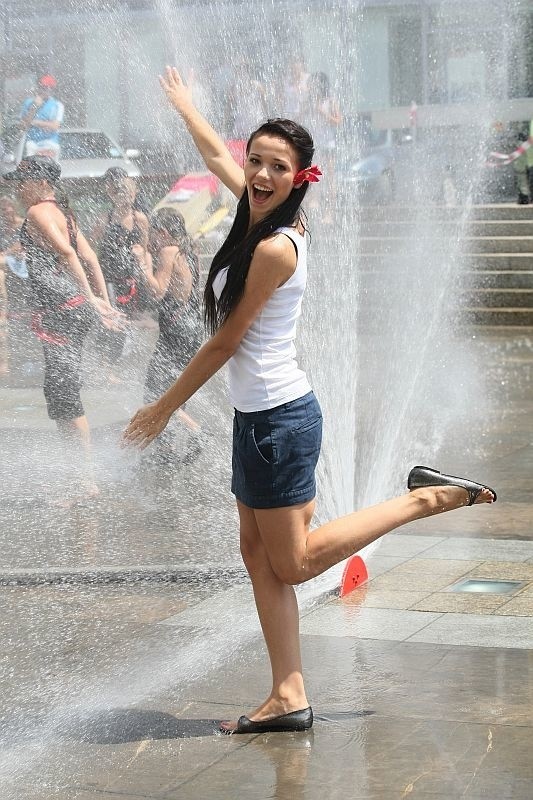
(211, 147)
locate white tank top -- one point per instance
(263, 372)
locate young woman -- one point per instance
(67, 299)
(123, 227)
(253, 297)
(174, 283)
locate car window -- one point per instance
(86, 144)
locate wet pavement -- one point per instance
(113, 690)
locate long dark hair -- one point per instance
(238, 249)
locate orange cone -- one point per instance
(354, 575)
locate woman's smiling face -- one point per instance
(269, 171)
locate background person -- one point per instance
(172, 273)
(253, 299)
(122, 228)
(41, 117)
(68, 296)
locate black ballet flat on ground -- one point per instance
(287, 723)
(425, 476)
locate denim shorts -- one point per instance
(275, 453)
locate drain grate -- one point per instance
(486, 586)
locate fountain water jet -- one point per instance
(380, 346)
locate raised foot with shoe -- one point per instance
(420, 477)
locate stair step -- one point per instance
(398, 213)
(503, 331)
(515, 262)
(498, 279)
(499, 261)
(512, 317)
(497, 244)
(499, 298)
(510, 227)
(469, 244)
(431, 228)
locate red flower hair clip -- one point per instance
(310, 174)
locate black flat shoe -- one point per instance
(425, 476)
(295, 721)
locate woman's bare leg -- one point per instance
(277, 608)
(278, 550)
(296, 554)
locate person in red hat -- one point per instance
(41, 117)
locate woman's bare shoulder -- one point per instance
(46, 213)
(277, 245)
(275, 255)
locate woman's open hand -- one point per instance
(111, 318)
(175, 89)
(147, 423)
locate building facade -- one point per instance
(380, 55)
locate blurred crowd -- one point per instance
(124, 229)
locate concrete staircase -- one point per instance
(496, 243)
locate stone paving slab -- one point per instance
(378, 564)
(438, 567)
(480, 549)
(216, 610)
(411, 581)
(522, 605)
(369, 597)
(476, 630)
(467, 603)
(504, 571)
(366, 623)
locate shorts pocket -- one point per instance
(262, 439)
(308, 424)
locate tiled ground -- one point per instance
(422, 584)
(418, 693)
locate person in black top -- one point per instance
(122, 228)
(174, 281)
(68, 295)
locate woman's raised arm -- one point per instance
(211, 147)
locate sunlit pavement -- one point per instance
(418, 692)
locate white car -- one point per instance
(85, 155)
